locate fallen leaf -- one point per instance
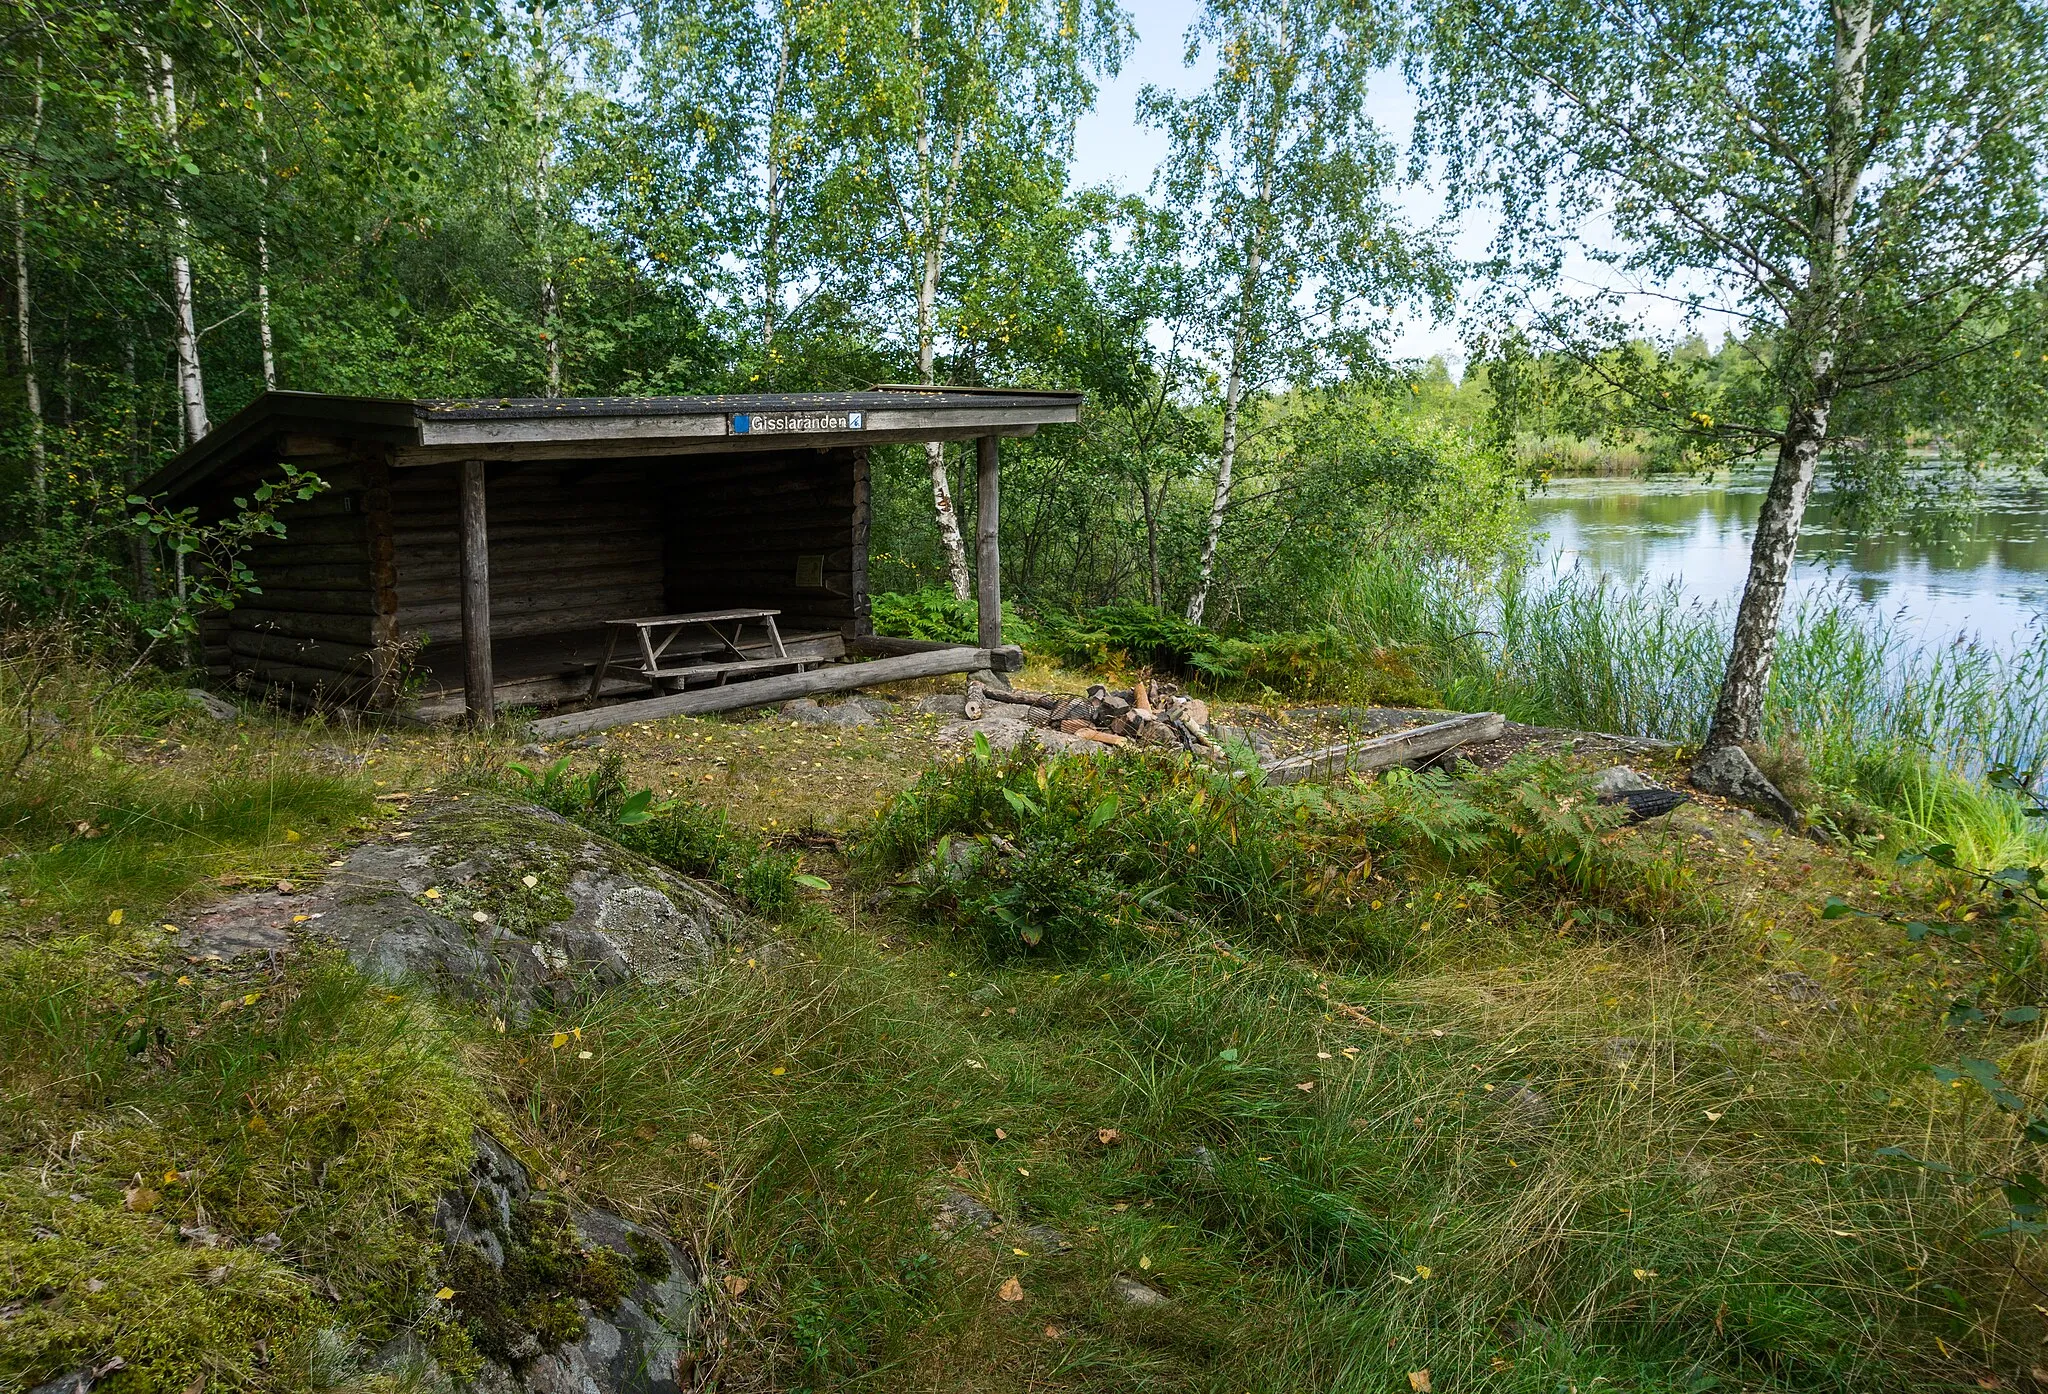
(1643, 1275)
(1020, 1253)
(1322, 1055)
(250, 999)
(140, 1199)
(1418, 1382)
(1713, 1117)
(558, 1040)
(1145, 1261)
(700, 1143)
(1106, 1136)
(117, 917)
(735, 1284)
(1306, 1086)
(1002, 1136)
(444, 1294)
(1422, 1270)
(1011, 1290)
(779, 1070)
(432, 893)
(529, 881)
(290, 835)
(582, 1055)
(479, 916)
(1052, 1333)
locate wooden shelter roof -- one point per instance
(422, 431)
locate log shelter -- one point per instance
(490, 545)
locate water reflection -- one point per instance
(1989, 579)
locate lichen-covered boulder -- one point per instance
(491, 899)
(560, 1299)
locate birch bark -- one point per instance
(1816, 325)
(38, 450)
(191, 384)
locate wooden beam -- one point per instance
(988, 557)
(1400, 748)
(1008, 658)
(477, 685)
(843, 677)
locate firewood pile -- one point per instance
(1153, 714)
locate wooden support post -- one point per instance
(477, 683)
(988, 557)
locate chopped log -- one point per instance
(1399, 748)
(1024, 697)
(1074, 725)
(841, 678)
(976, 703)
(1109, 738)
(1141, 699)
(1007, 659)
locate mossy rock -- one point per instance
(554, 1297)
(495, 900)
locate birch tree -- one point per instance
(160, 75)
(1859, 181)
(937, 110)
(38, 448)
(1282, 176)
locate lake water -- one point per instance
(1989, 580)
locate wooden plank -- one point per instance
(305, 653)
(1381, 752)
(341, 602)
(842, 677)
(476, 596)
(988, 561)
(298, 624)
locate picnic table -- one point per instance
(657, 634)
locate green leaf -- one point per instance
(982, 750)
(2019, 1016)
(1021, 806)
(1836, 908)
(635, 809)
(816, 883)
(1102, 813)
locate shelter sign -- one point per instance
(795, 423)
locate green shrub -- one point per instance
(685, 837)
(939, 615)
(1069, 856)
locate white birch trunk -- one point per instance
(771, 235)
(1233, 410)
(191, 383)
(263, 244)
(38, 450)
(1812, 330)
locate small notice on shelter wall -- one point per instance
(810, 573)
(786, 423)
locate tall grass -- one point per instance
(1879, 713)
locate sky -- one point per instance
(1110, 147)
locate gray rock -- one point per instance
(77, 1382)
(1524, 1109)
(213, 706)
(590, 742)
(1620, 779)
(596, 915)
(636, 1345)
(844, 714)
(1002, 733)
(878, 706)
(957, 1210)
(1045, 1239)
(1244, 736)
(1064, 743)
(1132, 1293)
(950, 704)
(1728, 771)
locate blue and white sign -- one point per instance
(786, 423)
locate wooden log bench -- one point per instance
(657, 635)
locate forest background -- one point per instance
(659, 197)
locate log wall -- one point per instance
(319, 630)
(571, 545)
(740, 528)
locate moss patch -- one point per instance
(254, 1156)
(535, 1297)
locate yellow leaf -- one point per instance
(1418, 1382)
(1422, 1270)
(1020, 1253)
(292, 836)
(116, 917)
(250, 999)
(256, 1123)
(170, 1177)
(444, 1294)
(558, 1040)
(1011, 1290)
(184, 981)
(432, 893)
(1643, 1275)
(529, 881)
(779, 1070)
(735, 1284)
(1145, 1261)
(139, 1198)
(1713, 1117)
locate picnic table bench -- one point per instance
(657, 634)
